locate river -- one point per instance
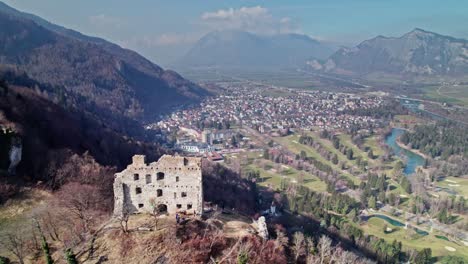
(411, 159)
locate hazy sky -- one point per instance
(163, 30)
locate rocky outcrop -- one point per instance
(15, 155)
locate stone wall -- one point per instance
(173, 183)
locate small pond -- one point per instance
(398, 223)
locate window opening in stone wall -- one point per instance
(177, 178)
(136, 177)
(189, 206)
(159, 192)
(179, 206)
(148, 178)
(175, 195)
(160, 176)
(138, 190)
(184, 194)
(140, 205)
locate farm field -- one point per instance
(447, 94)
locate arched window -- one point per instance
(159, 193)
(160, 176)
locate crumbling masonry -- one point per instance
(171, 184)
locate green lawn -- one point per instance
(372, 143)
(375, 227)
(271, 176)
(328, 145)
(460, 185)
(346, 141)
(292, 143)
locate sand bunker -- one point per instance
(451, 249)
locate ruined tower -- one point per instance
(172, 184)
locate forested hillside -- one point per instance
(442, 139)
(116, 81)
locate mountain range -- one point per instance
(114, 80)
(239, 49)
(418, 52)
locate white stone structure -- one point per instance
(262, 227)
(172, 184)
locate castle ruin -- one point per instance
(171, 184)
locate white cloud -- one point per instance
(254, 19)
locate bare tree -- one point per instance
(123, 220)
(325, 249)
(281, 238)
(80, 201)
(299, 245)
(15, 243)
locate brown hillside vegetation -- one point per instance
(63, 145)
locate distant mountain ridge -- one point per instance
(418, 52)
(231, 48)
(117, 80)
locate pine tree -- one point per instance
(46, 250)
(370, 154)
(242, 258)
(266, 154)
(336, 142)
(4, 260)
(335, 159)
(424, 256)
(443, 216)
(71, 258)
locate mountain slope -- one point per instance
(60, 145)
(118, 80)
(247, 50)
(418, 52)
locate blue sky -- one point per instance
(163, 30)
